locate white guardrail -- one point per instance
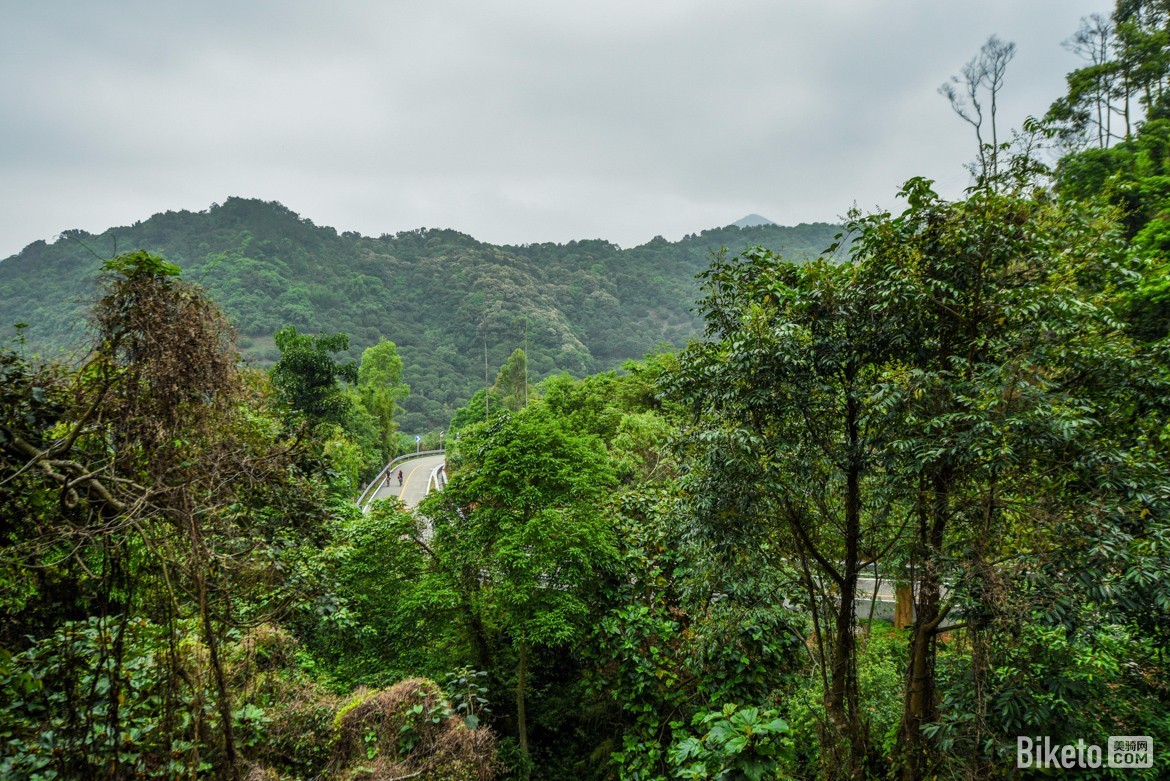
(438, 478)
(371, 489)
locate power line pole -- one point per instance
(486, 381)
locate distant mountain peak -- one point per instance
(752, 221)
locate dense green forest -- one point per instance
(441, 296)
(658, 571)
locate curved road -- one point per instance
(416, 474)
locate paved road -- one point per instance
(416, 475)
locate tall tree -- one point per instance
(1124, 81)
(179, 509)
(523, 516)
(974, 96)
(381, 387)
(787, 446)
(308, 376)
(1014, 386)
(512, 381)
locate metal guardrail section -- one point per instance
(438, 478)
(372, 488)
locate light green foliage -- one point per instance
(364, 433)
(381, 369)
(141, 264)
(592, 405)
(476, 410)
(607, 409)
(512, 382)
(467, 689)
(380, 388)
(348, 460)
(532, 492)
(520, 532)
(640, 446)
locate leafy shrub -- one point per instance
(94, 699)
(736, 743)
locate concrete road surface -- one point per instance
(416, 475)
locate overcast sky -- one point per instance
(516, 122)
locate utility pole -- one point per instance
(486, 381)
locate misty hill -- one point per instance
(439, 294)
(752, 221)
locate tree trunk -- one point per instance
(903, 606)
(468, 588)
(224, 698)
(842, 700)
(200, 565)
(521, 714)
(918, 707)
(479, 638)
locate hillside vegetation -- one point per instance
(440, 295)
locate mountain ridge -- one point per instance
(439, 294)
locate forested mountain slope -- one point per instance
(439, 294)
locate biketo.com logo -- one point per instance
(1123, 751)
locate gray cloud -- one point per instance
(514, 121)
